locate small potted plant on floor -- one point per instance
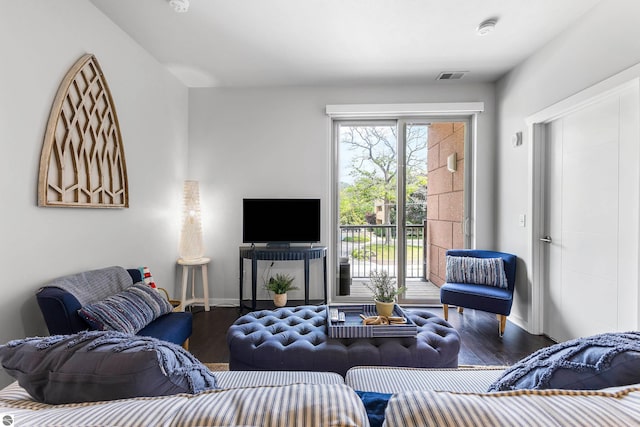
(384, 292)
(280, 285)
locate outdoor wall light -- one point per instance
(452, 163)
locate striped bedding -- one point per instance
(382, 379)
(290, 405)
(152, 411)
(515, 408)
(238, 379)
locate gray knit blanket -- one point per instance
(587, 359)
(95, 285)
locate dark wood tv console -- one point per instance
(292, 253)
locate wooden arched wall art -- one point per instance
(82, 162)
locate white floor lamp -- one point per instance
(191, 247)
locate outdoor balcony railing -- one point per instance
(373, 247)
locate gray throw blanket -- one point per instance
(95, 285)
(587, 361)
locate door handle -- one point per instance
(546, 239)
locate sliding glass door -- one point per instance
(382, 176)
(412, 210)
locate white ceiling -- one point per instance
(340, 42)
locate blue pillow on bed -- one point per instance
(102, 365)
(375, 404)
(591, 363)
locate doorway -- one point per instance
(588, 232)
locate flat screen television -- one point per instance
(280, 221)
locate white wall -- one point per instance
(39, 41)
(604, 42)
(276, 143)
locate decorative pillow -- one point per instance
(375, 405)
(480, 271)
(95, 365)
(591, 363)
(127, 311)
(147, 278)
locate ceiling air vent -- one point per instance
(451, 75)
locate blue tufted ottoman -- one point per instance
(295, 339)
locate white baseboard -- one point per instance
(220, 302)
(519, 321)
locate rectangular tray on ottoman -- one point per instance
(353, 327)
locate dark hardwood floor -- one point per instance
(480, 343)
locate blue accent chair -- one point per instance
(481, 297)
(60, 311)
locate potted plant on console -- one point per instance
(280, 285)
(384, 291)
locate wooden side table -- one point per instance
(193, 265)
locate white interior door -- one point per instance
(591, 283)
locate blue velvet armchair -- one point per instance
(492, 299)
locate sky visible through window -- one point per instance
(417, 137)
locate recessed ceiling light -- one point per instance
(486, 27)
(179, 5)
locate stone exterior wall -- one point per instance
(445, 196)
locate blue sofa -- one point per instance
(60, 310)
